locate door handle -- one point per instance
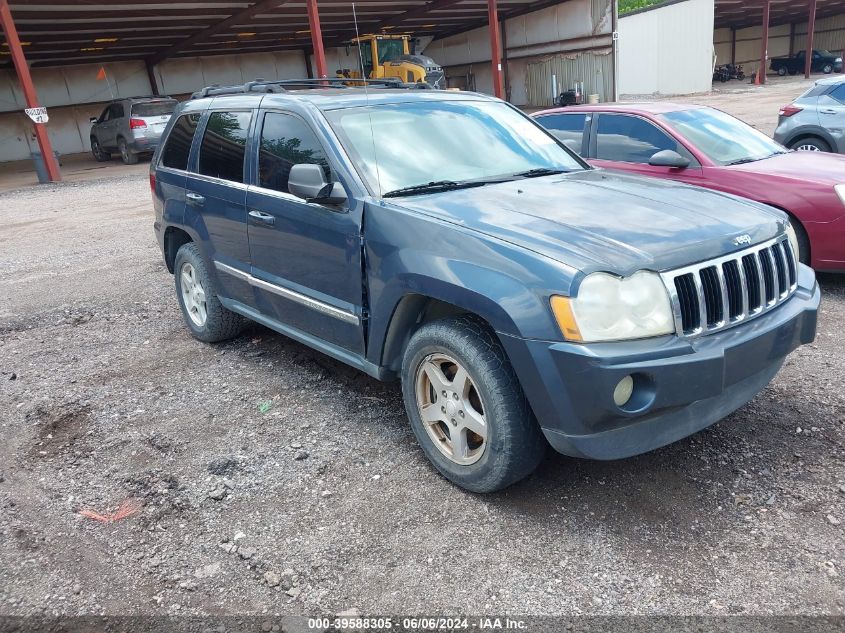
(827, 111)
(195, 198)
(263, 218)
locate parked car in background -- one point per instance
(823, 62)
(815, 121)
(522, 297)
(130, 127)
(707, 147)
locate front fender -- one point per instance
(412, 255)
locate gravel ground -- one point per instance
(273, 479)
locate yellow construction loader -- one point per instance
(389, 57)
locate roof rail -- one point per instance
(285, 85)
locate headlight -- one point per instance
(793, 239)
(838, 60)
(840, 191)
(610, 308)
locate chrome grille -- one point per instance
(719, 293)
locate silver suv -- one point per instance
(815, 121)
(130, 127)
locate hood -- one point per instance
(596, 220)
(819, 167)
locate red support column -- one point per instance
(764, 50)
(811, 32)
(316, 38)
(493, 19)
(28, 89)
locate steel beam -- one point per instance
(764, 46)
(495, 45)
(28, 88)
(241, 17)
(316, 38)
(811, 32)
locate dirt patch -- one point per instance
(58, 429)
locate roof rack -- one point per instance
(286, 85)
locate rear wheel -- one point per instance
(100, 155)
(810, 144)
(128, 156)
(466, 407)
(202, 311)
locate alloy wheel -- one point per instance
(806, 147)
(451, 409)
(193, 295)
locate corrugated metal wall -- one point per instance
(830, 34)
(594, 68)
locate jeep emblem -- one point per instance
(739, 240)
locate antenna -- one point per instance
(367, 97)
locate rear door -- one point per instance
(627, 142)
(110, 128)
(216, 198)
(306, 257)
(831, 109)
(569, 128)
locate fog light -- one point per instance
(623, 391)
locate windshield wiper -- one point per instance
(742, 161)
(539, 171)
(432, 187)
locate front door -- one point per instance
(306, 257)
(627, 143)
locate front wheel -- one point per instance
(202, 311)
(100, 155)
(466, 407)
(811, 144)
(827, 69)
(782, 71)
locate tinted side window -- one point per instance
(285, 141)
(839, 93)
(224, 145)
(568, 128)
(630, 139)
(178, 145)
(116, 111)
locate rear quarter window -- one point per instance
(177, 147)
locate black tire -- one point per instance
(515, 444)
(128, 157)
(809, 142)
(100, 155)
(827, 69)
(803, 241)
(782, 71)
(220, 324)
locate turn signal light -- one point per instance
(134, 124)
(789, 110)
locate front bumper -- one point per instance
(681, 385)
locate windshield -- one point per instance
(409, 144)
(724, 139)
(153, 108)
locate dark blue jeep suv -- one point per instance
(445, 239)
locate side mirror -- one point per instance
(308, 181)
(93, 120)
(669, 158)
